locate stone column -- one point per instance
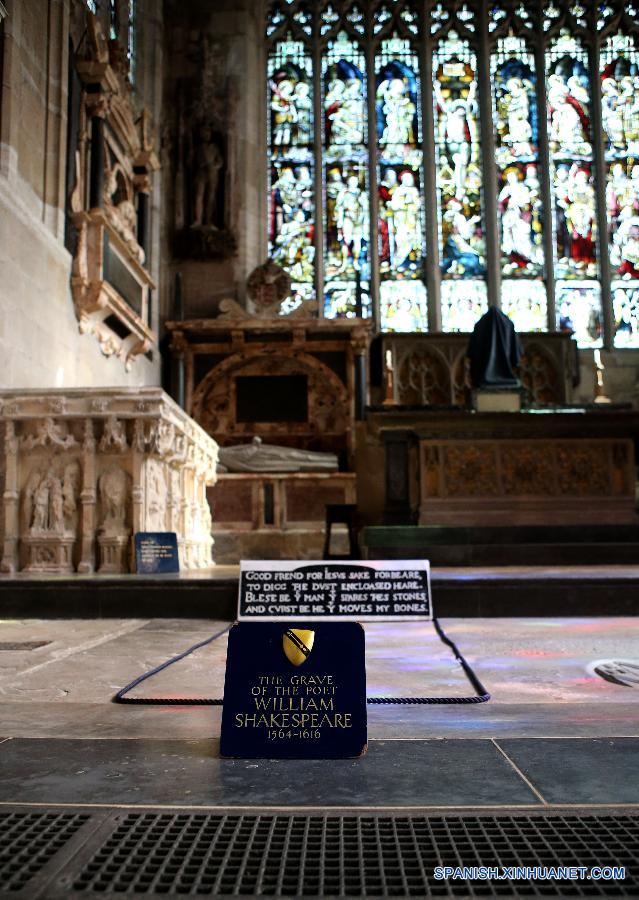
(11, 501)
(143, 187)
(96, 174)
(88, 498)
(137, 475)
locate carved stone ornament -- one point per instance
(77, 486)
(114, 160)
(268, 287)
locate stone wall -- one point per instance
(40, 344)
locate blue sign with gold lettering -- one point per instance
(295, 691)
(156, 552)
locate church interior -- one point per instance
(342, 281)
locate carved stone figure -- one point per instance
(207, 165)
(30, 489)
(268, 285)
(113, 495)
(260, 457)
(113, 436)
(56, 510)
(156, 495)
(69, 488)
(41, 507)
(204, 105)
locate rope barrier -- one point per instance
(481, 694)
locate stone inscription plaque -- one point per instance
(337, 590)
(156, 552)
(294, 691)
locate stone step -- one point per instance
(496, 546)
(505, 591)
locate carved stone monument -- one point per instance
(109, 203)
(86, 469)
(260, 457)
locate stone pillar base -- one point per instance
(49, 553)
(113, 553)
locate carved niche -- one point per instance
(204, 104)
(109, 203)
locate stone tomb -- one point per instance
(86, 469)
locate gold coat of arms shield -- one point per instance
(297, 644)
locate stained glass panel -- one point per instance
(620, 119)
(459, 178)
(291, 194)
(346, 299)
(463, 303)
(579, 310)
(400, 226)
(525, 302)
(347, 216)
(403, 306)
(625, 302)
(572, 176)
(519, 203)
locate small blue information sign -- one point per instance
(295, 691)
(156, 552)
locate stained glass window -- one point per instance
(519, 203)
(619, 65)
(378, 187)
(459, 182)
(346, 198)
(400, 226)
(291, 194)
(131, 37)
(573, 189)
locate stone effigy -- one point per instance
(260, 457)
(86, 469)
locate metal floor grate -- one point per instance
(354, 855)
(29, 840)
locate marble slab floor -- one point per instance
(553, 734)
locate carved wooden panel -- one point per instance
(214, 400)
(505, 481)
(432, 370)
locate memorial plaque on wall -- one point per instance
(156, 552)
(337, 590)
(294, 691)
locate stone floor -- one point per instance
(553, 734)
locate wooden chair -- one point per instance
(343, 514)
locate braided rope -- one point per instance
(481, 694)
